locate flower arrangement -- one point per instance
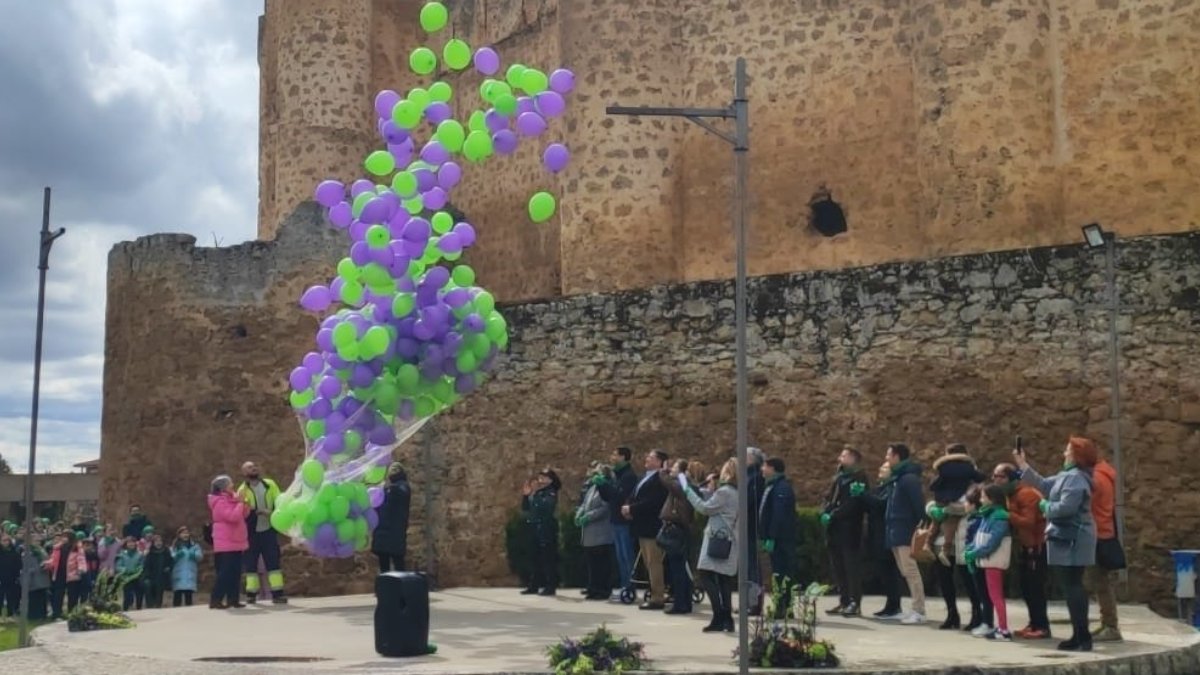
(102, 610)
(784, 644)
(598, 652)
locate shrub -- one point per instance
(598, 652)
(519, 550)
(787, 644)
(102, 610)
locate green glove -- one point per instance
(432, 647)
(769, 545)
(969, 556)
(971, 566)
(825, 519)
(937, 513)
(580, 521)
(857, 489)
(1044, 506)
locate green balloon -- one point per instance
(477, 121)
(353, 440)
(317, 514)
(281, 520)
(378, 236)
(403, 304)
(415, 268)
(452, 256)
(479, 345)
(360, 496)
(374, 273)
(309, 530)
(463, 275)
(326, 494)
(414, 206)
(375, 474)
(424, 407)
(420, 97)
(497, 327)
(451, 134)
(443, 390)
(407, 114)
(434, 17)
(380, 163)
(506, 104)
(344, 334)
(347, 270)
(300, 399)
(514, 74)
(534, 81)
(457, 54)
(422, 61)
(407, 377)
(352, 293)
(356, 207)
(348, 352)
(442, 222)
(441, 92)
(360, 528)
(377, 339)
(485, 303)
(404, 184)
(387, 398)
(465, 362)
(478, 146)
(485, 90)
(542, 207)
(314, 429)
(497, 90)
(312, 472)
(339, 508)
(345, 531)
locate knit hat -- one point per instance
(149, 529)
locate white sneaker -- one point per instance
(913, 618)
(982, 631)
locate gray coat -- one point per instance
(1070, 530)
(597, 529)
(721, 507)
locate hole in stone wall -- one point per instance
(224, 413)
(827, 216)
(239, 331)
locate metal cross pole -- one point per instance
(29, 563)
(739, 112)
(1114, 358)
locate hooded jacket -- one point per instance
(1104, 500)
(992, 542)
(955, 474)
(905, 505)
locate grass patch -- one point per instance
(9, 633)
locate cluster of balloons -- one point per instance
(409, 331)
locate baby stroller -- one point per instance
(629, 592)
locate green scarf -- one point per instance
(774, 479)
(994, 512)
(1067, 466)
(896, 470)
(619, 465)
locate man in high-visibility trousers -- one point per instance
(260, 494)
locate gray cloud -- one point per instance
(142, 115)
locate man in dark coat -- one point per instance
(615, 488)
(842, 515)
(389, 543)
(137, 522)
(778, 528)
(905, 509)
(755, 485)
(642, 511)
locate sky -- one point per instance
(142, 115)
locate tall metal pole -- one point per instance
(741, 147)
(1114, 362)
(28, 563)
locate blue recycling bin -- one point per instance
(1185, 584)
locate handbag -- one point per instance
(920, 550)
(719, 546)
(671, 539)
(1110, 554)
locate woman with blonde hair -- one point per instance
(718, 499)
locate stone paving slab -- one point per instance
(499, 631)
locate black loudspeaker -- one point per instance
(401, 614)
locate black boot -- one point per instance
(952, 622)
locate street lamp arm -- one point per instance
(653, 111)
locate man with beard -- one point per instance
(842, 516)
(260, 494)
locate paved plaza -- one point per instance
(500, 631)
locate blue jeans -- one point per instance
(624, 544)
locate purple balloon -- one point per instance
(345, 550)
(333, 427)
(431, 371)
(316, 299)
(335, 288)
(396, 225)
(464, 384)
(487, 61)
(385, 101)
(556, 157)
(425, 179)
(325, 339)
(457, 297)
(406, 410)
(452, 343)
(407, 349)
(448, 175)
(417, 230)
(530, 124)
(466, 234)
(329, 387)
(427, 295)
(562, 81)
(550, 103)
(435, 153)
(437, 276)
(313, 362)
(320, 409)
(325, 535)
(405, 284)
(392, 134)
(449, 243)
(360, 186)
(375, 496)
(434, 199)
(438, 112)
(382, 435)
(372, 519)
(473, 323)
(375, 212)
(361, 376)
(340, 215)
(360, 253)
(414, 249)
(300, 379)
(505, 142)
(358, 230)
(329, 193)
(495, 121)
(383, 256)
(525, 104)
(401, 152)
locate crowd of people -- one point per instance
(973, 529)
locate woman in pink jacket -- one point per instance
(229, 541)
(67, 564)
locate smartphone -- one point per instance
(1019, 446)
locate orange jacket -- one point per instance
(1026, 518)
(1104, 499)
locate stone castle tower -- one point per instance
(966, 140)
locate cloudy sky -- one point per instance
(142, 116)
